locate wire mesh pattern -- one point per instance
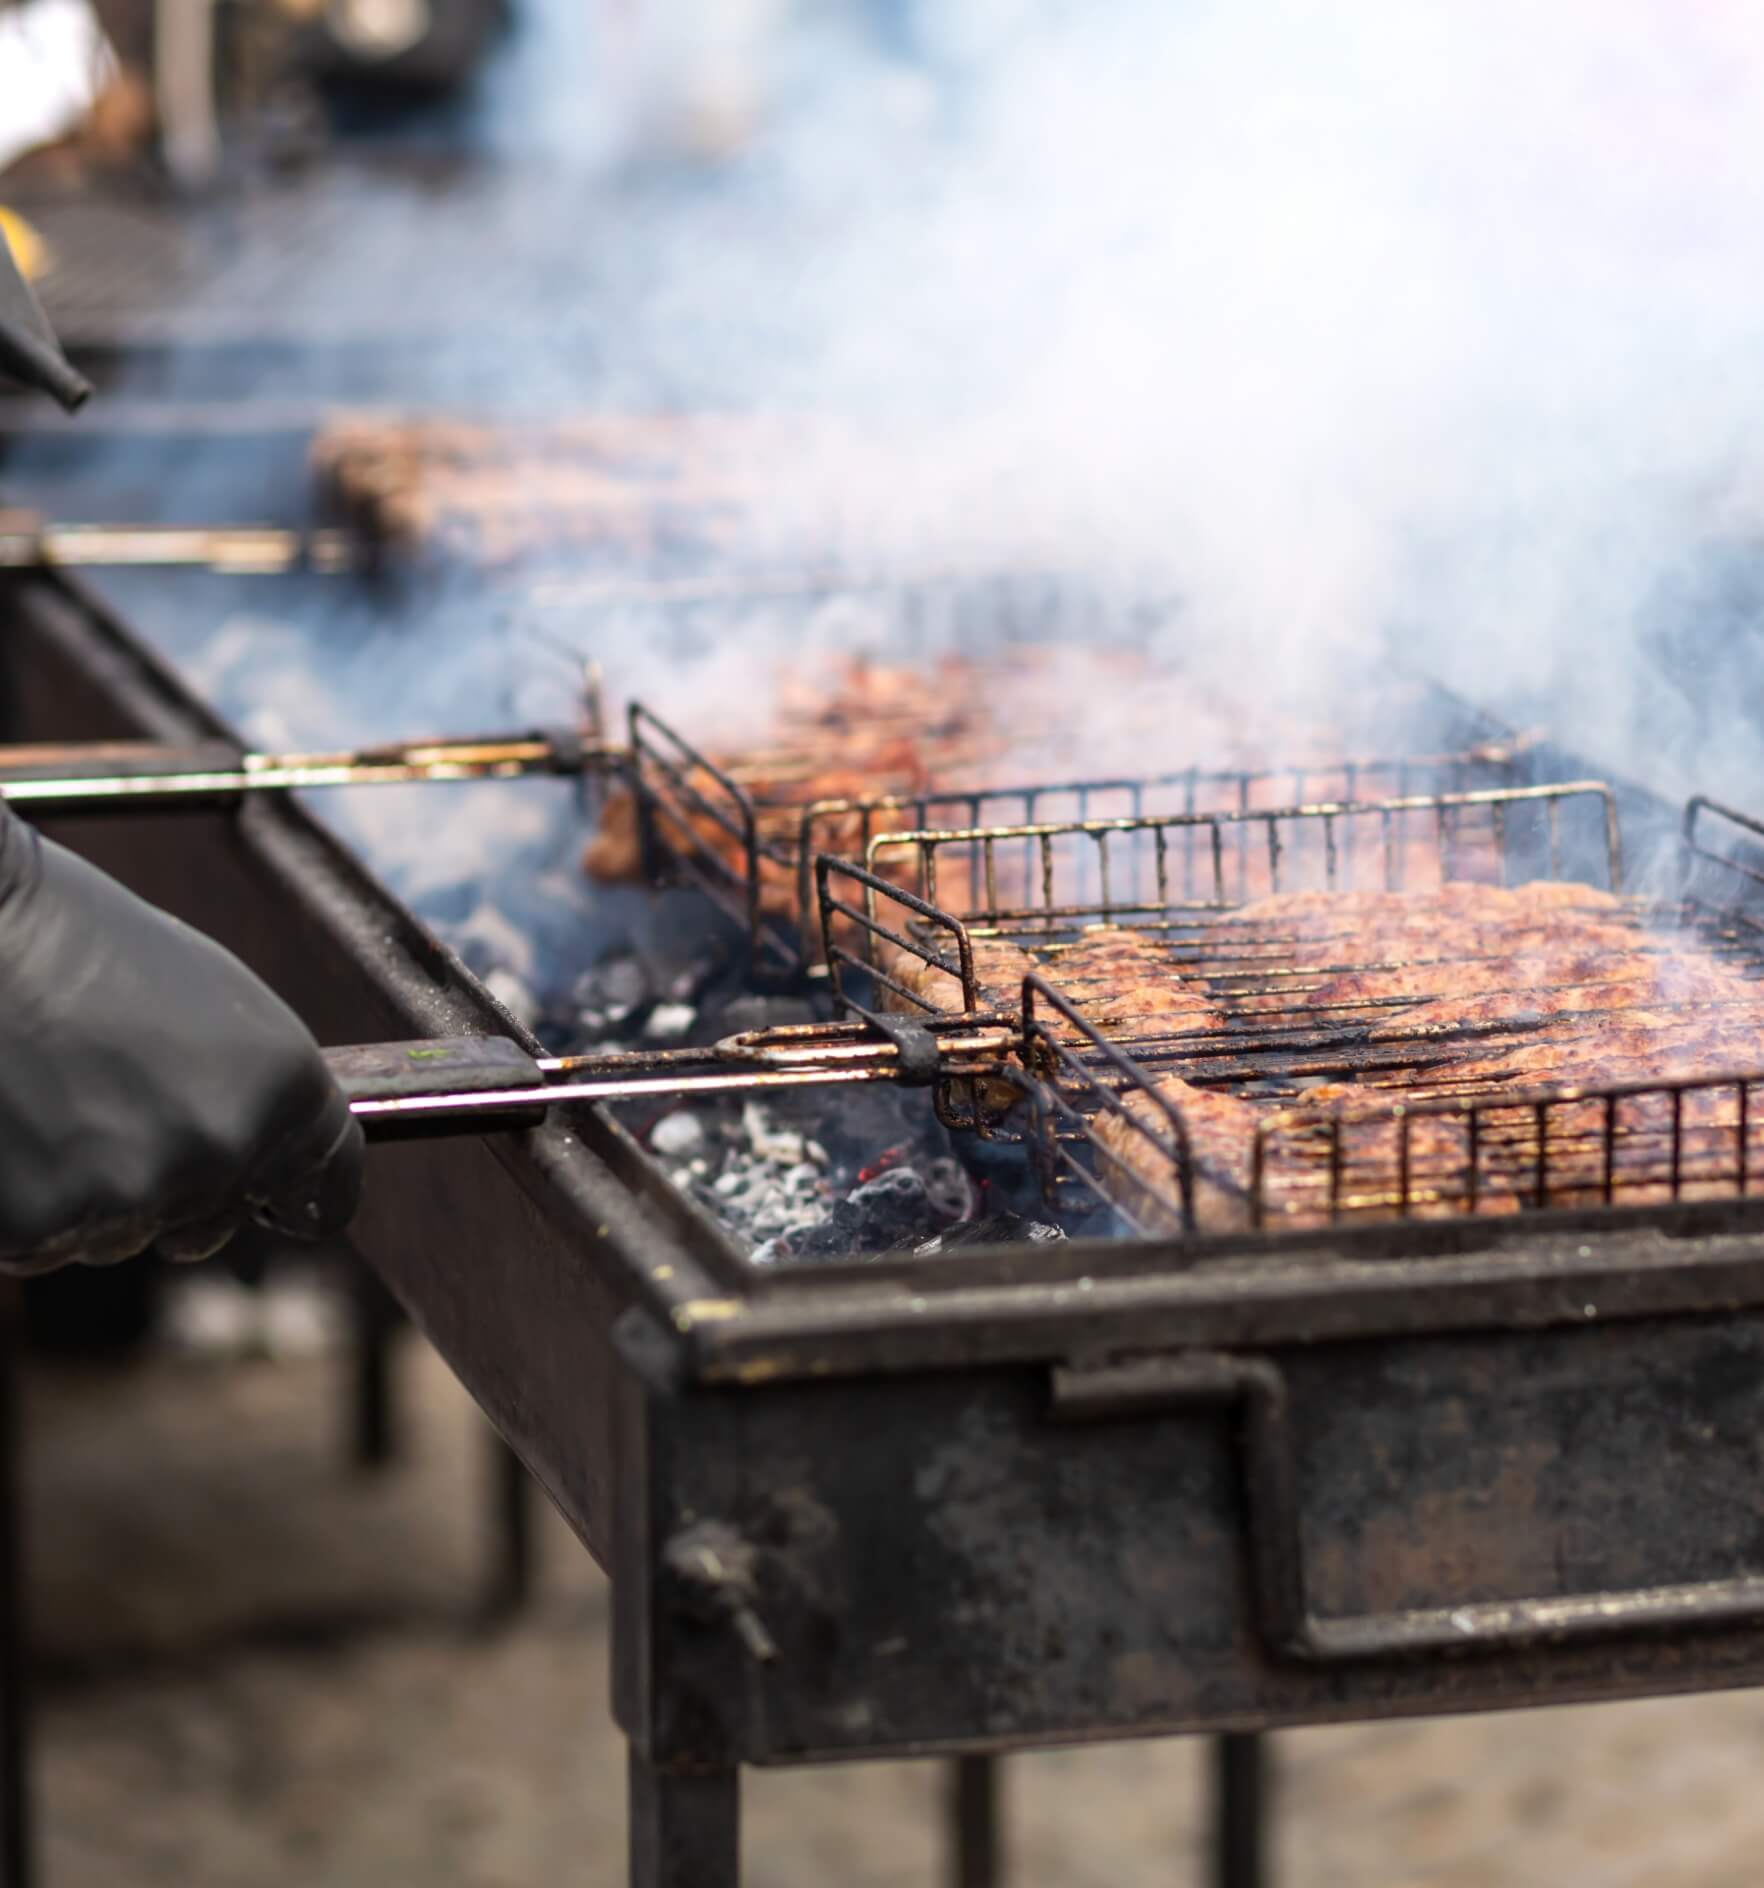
(753, 851)
(1627, 1144)
(1171, 876)
(1148, 1114)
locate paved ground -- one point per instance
(259, 1669)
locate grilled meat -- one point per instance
(1120, 980)
(876, 733)
(506, 492)
(1144, 1157)
(840, 741)
(1513, 990)
(1145, 1151)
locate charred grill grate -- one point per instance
(1426, 1142)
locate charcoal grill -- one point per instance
(704, 824)
(1021, 1495)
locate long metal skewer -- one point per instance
(237, 550)
(47, 776)
(466, 1085)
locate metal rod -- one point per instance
(507, 1101)
(237, 550)
(475, 759)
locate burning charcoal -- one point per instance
(882, 1215)
(893, 1206)
(689, 984)
(615, 989)
(670, 1022)
(948, 1185)
(996, 1229)
(490, 941)
(593, 1029)
(514, 996)
(768, 1141)
(677, 1136)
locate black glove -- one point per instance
(152, 1090)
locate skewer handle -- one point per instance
(380, 1078)
(79, 763)
(124, 776)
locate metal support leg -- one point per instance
(976, 1846)
(16, 1848)
(1240, 1811)
(374, 1317)
(511, 1573)
(685, 1829)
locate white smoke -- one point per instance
(1435, 328)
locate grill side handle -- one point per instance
(1256, 1388)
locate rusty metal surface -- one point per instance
(1475, 1520)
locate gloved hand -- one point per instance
(152, 1090)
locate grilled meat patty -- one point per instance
(1120, 980)
(1507, 989)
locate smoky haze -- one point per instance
(1424, 331)
(1434, 329)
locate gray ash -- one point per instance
(809, 1178)
(844, 1175)
(802, 1176)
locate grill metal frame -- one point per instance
(1000, 1502)
(675, 782)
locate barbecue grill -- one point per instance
(1025, 1494)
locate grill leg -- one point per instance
(976, 1842)
(685, 1829)
(374, 1436)
(1240, 1811)
(16, 1857)
(511, 1573)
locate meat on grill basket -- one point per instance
(866, 747)
(1536, 987)
(1295, 1058)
